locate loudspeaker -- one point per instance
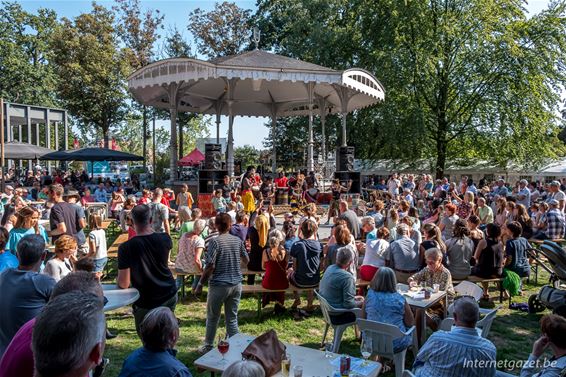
(209, 180)
(213, 156)
(345, 159)
(345, 176)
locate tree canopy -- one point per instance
(463, 78)
(92, 69)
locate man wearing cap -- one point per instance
(554, 222)
(555, 193)
(524, 194)
(63, 218)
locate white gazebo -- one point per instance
(255, 83)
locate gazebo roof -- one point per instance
(263, 59)
(255, 83)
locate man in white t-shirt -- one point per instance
(524, 194)
(556, 194)
(393, 185)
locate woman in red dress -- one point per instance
(274, 262)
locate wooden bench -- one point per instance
(113, 249)
(183, 274)
(258, 291)
(106, 224)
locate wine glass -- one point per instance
(366, 348)
(327, 350)
(223, 347)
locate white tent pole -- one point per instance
(173, 117)
(217, 127)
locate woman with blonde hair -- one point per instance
(465, 206)
(27, 222)
(60, 266)
(190, 253)
(274, 262)
(257, 236)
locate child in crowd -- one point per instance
(218, 202)
(239, 204)
(97, 244)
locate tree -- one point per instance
(176, 45)
(248, 155)
(454, 71)
(138, 32)
(222, 31)
(92, 70)
(25, 73)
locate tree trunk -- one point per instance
(441, 146)
(105, 137)
(144, 150)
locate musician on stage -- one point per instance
(337, 190)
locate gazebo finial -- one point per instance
(256, 36)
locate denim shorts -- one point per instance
(99, 264)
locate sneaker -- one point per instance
(204, 349)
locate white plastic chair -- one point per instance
(327, 311)
(382, 335)
(485, 323)
(466, 288)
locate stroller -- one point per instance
(550, 296)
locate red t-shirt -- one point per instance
(281, 182)
(165, 201)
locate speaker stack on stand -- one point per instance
(345, 169)
(210, 178)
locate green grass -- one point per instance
(513, 332)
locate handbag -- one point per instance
(267, 350)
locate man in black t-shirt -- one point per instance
(63, 217)
(143, 262)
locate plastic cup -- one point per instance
(298, 371)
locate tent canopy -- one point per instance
(91, 154)
(24, 151)
(192, 159)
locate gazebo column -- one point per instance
(344, 95)
(231, 86)
(322, 109)
(230, 145)
(217, 128)
(273, 137)
(310, 150)
(21, 140)
(218, 109)
(29, 138)
(173, 90)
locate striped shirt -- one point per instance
(224, 253)
(457, 353)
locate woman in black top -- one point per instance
(489, 256)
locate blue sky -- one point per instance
(250, 131)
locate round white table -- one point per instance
(118, 297)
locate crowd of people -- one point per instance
(413, 231)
